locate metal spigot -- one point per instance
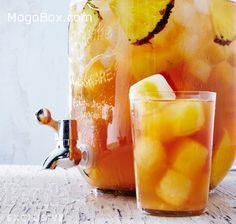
(66, 153)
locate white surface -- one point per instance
(29, 195)
(33, 74)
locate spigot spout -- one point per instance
(52, 159)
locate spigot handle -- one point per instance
(44, 117)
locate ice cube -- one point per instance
(223, 72)
(97, 47)
(174, 188)
(191, 157)
(232, 59)
(184, 13)
(190, 44)
(202, 6)
(200, 69)
(215, 53)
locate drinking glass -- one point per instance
(173, 137)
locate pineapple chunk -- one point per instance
(181, 118)
(149, 154)
(223, 20)
(150, 120)
(148, 111)
(155, 85)
(191, 157)
(148, 117)
(222, 159)
(174, 188)
(141, 20)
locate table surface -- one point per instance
(30, 195)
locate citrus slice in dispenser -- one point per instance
(223, 15)
(83, 24)
(141, 19)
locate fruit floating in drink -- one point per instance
(115, 43)
(173, 135)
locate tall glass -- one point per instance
(173, 140)
(106, 59)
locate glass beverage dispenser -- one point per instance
(115, 43)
